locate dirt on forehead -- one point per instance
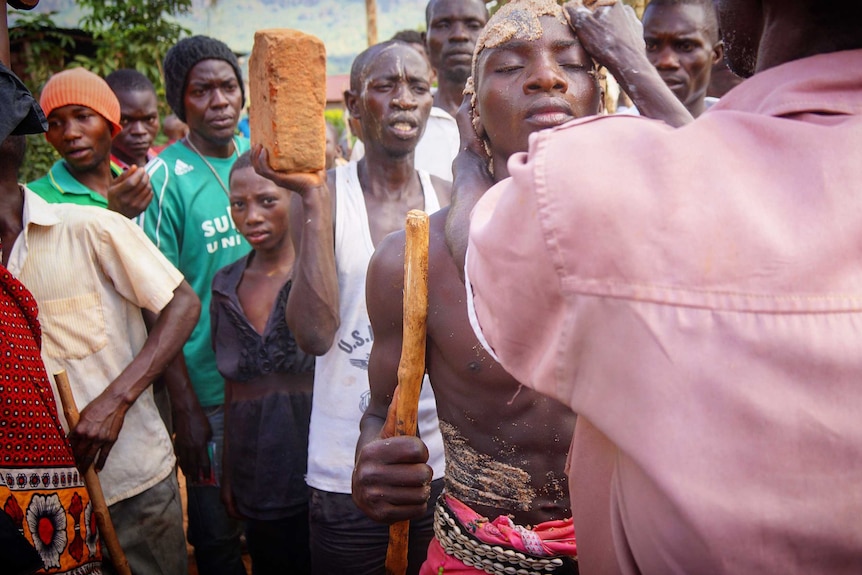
(518, 19)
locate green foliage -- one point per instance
(40, 157)
(132, 34)
(45, 47)
(126, 34)
(336, 118)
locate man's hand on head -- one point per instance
(130, 193)
(612, 34)
(614, 38)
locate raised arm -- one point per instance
(312, 307)
(102, 419)
(391, 479)
(614, 38)
(472, 178)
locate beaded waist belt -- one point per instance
(493, 559)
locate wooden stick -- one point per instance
(92, 483)
(411, 368)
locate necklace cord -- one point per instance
(203, 158)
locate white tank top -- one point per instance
(341, 390)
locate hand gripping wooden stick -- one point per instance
(411, 368)
(91, 481)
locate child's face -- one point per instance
(260, 210)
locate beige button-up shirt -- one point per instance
(91, 272)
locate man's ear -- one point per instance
(717, 52)
(351, 101)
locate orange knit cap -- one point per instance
(81, 87)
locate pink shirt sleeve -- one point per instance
(516, 290)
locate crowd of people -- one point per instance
(642, 336)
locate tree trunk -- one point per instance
(371, 17)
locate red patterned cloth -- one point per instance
(40, 487)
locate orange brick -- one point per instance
(287, 91)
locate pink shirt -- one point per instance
(701, 310)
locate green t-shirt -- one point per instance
(189, 221)
(59, 186)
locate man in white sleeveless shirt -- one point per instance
(335, 236)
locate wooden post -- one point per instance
(92, 483)
(371, 18)
(411, 368)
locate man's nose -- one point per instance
(546, 77)
(71, 130)
(253, 214)
(219, 98)
(459, 32)
(137, 127)
(666, 58)
(404, 98)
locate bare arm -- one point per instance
(472, 178)
(192, 429)
(391, 479)
(614, 37)
(312, 307)
(227, 497)
(102, 419)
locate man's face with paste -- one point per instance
(531, 73)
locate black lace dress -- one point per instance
(267, 433)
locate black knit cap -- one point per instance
(183, 56)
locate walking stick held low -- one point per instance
(91, 481)
(411, 368)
